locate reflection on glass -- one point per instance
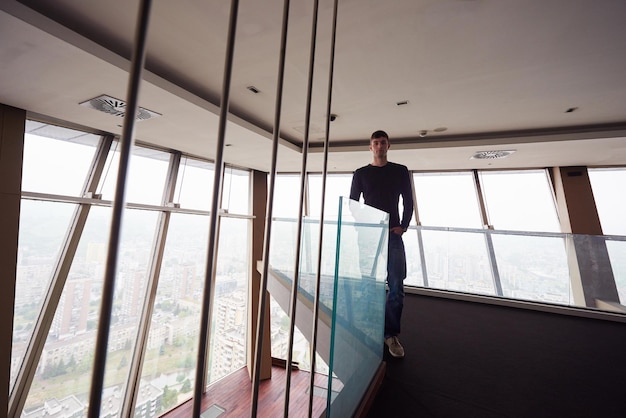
(617, 254)
(458, 261)
(533, 268)
(611, 205)
(64, 371)
(64, 155)
(194, 188)
(42, 228)
(520, 200)
(280, 339)
(146, 175)
(447, 199)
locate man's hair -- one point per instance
(379, 134)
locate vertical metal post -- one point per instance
(127, 141)
(305, 152)
(268, 214)
(316, 302)
(209, 282)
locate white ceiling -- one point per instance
(497, 74)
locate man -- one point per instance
(382, 183)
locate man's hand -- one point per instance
(397, 230)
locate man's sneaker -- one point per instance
(395, 348)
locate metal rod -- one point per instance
(321, 226)
(305, 149)
(268, 215)
(126, 142)
(209, 281)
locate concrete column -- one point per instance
(259, 204)
(593, 281)
(12, 123)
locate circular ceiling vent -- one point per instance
(491, 155)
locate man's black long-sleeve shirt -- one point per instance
(382, 187)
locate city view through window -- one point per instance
(64, 232)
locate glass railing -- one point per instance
(351, 292)
(584, 271)
(549, 268)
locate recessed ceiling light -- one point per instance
(491, 155)
(116, 107)
(253, 89)
(571, 109)
(402, 103)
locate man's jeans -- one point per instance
(396, 273)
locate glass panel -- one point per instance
(414, 276)
(336, 185)
(447, 199)
(172, 348)
(286, 194)
(358, 305)
(56, 160)
(617, 254)
(236, 191)
(229, 325)
(280, 338)
(194, 188)
(611, 203)
(520, 200)
(43, 226)
(65, 367)
(458, 261)
(146, 175)
(533, 268)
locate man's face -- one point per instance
(379, 147)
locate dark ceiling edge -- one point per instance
(568, 133)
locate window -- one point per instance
(447, 199)
(58, 162)
(146, 176)
(172, 349)
(64, 155)
(194, 188)
(611, 205)
(520, 200)
(65, 366)
(43, 226)
(336, 185)
(236, 191)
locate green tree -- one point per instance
(169, 398)
(186, 386)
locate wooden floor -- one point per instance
(234, 393)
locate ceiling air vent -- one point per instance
(117, 107)
(491, 155)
